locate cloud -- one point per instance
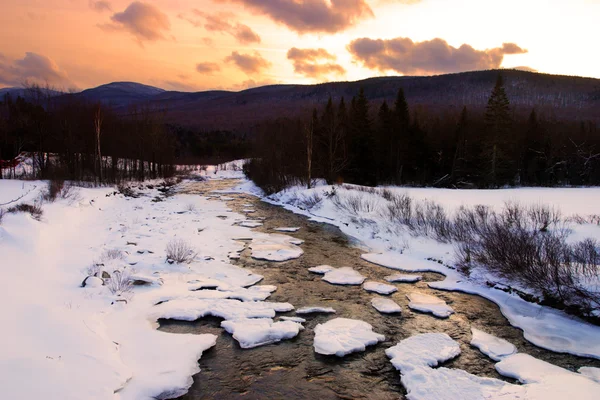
(251, 83)
(249, 63)
(429, 57)
(314, 63)
(220, 23)
(33, 68)
(311, 16)
(100, 6)
(207, 68)
(144, 21)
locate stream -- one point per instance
(291, 369)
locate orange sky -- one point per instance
(235, 44)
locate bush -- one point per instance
(355, 204)
(180, 251)
(112, 254)
(190, 207)
(35, 210)
(308, 202)
(120, 282)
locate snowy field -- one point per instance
(71, 331)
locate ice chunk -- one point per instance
(275, 248)
(427, 350)
(312, 310)
(257, 332)
(250, 224)
(429, 304)
(492, 346)
(321, 269)
(380, 288)
(140, 279)
(403, 278)
(344, 276)
(342, 336)
(293, 319)
(248, 210)
(385, 306)
(290, 229)
(191, 309)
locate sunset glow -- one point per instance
(234, 44)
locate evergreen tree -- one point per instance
(401, 154)
(459, 161)
(363, 164)
(384, 133)
(497, 120)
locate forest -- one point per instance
(373, 144)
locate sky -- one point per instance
(193, 45)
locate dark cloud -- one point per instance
(33, 68)
(314, 63)
(100, 6)
(306, 16)
(207, 68)
(429, 57)
(220, 23)
(144, 21)
(249, 63)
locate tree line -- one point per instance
(374, 144)
(71, 139)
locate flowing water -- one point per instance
(291, 369)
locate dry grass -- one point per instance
(180, 251)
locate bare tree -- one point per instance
(98, 132)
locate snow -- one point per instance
(591, 372)
(258, 332)
(380, 288)
(392, 246)
(321, 269)
(543, 326)
(424, 350)
(344, 276)
(315, 309)
(293, 319)
(250, 224)
(403, 278)
(342, 336)
(88, 343)
(429, 304)
(544, 381)
(492, 346)
(290, 229)
(385, 306)
(275, 248)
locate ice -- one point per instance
(258, 332)
(403, 278)
(191, 309)
(380, 288)
(344, 276)
(385, 306)
(275, 248)
(312, 310)
(429, 304)
(321, 269)
(248, 210)
(293, 319)
(342, 336)
(424, 350)
(290, 229)
(250, 224)
(544, 381)
(591, 372)
(146, 279)
(492, 346)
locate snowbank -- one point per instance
(342, 336)
(344, 276)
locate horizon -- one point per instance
(234, 45)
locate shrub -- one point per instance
(112, 254)
(355, 203)
(120, 282)
(190, 207)
(35, 210)
(180, 251)
(310, 201)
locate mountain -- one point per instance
(119, 94)
(28, 93)
(553, 96)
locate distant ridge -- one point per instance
(553, 96)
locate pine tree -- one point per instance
(400, 145)
(497, 120)
(363, 167)
(384, 133)
(460, 148)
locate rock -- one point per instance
(92, 281)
